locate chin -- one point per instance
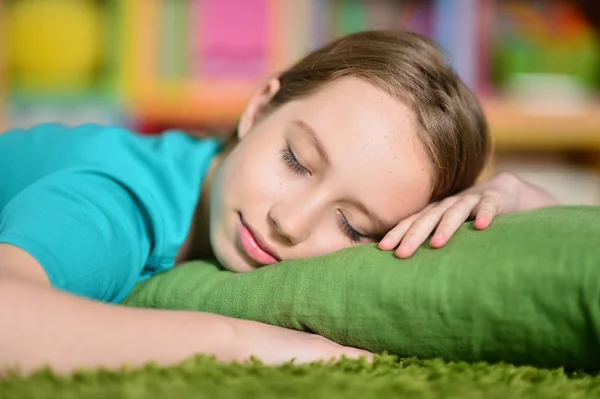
(235, 265)
(229, 259)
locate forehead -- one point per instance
(376, 155)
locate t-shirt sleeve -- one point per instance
(87, 230)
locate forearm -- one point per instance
(533, 197)
(41, 326)
(44, 327)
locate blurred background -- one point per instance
(192, 64)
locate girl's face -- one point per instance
(332, 170)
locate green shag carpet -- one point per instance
(386, 377)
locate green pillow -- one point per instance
(524, 291)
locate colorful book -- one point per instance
(3, 105)
(351, 16)
(321, 30)
(443, 22)
(143, 48)
(485, 29)
(235, 40)
(463, 42)
(384, 14)
(195, 41)
(278, 39)
(297, 26)
(417, 16)
(173, 55)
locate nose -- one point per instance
(294, 220)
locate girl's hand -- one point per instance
(277, 345)
(502, 193)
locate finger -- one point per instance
(422, 228)
(454, 217)
(487, 209)
(419, 231)
(358, 353)
(393, 237)
(337, 351)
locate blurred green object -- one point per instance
(552, 38)
(351, 16)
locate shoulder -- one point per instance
(88, 233)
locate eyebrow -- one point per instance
(312, 134)
(379, 226)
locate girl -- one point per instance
(348, 146)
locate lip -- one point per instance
(254, 245)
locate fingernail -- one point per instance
(482, 221)
(383, 244)
(438, 236)
(404, 248)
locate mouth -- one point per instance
(254, 246)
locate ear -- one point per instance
(256, 105)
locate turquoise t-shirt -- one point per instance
(100, 208)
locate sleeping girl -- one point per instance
(372, 138)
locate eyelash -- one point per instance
(352, 234)
(295, 166)
(292, 162)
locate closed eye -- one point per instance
(292, 162)
(288, 157)
(349, 231)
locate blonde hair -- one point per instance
(411, 68)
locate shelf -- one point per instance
(201, 104)
(512, 127)
(516, 129)
(191, 104)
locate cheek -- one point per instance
(326, 238)
(256, 176)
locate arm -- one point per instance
(42, 326)
(530, 196)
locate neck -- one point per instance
(197, 245)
